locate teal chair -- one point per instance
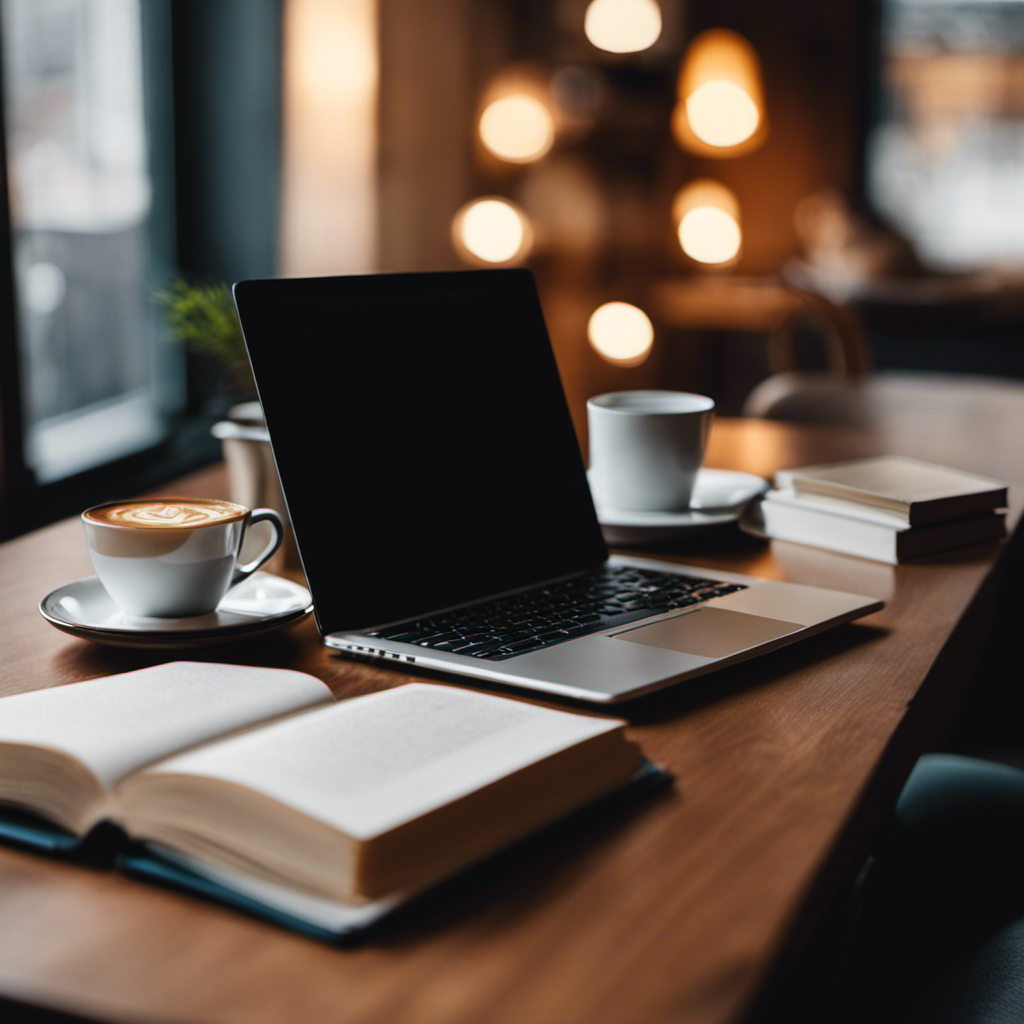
(931, 928)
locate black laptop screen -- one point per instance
(421, 434)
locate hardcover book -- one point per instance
(869, 533)
(255, 787)
(918, 492)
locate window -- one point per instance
(946, 158)
(88, 249)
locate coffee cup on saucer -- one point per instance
(646, 448)
(173, 557)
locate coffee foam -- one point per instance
(166, 513)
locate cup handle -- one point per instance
(261, 515)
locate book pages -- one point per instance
(370, 764)
(118, 724)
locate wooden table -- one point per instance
(679, 909)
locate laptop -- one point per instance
(440, 502)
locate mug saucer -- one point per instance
(719, 496)
(259, 604)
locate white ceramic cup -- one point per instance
(171, 568)
(646, 448)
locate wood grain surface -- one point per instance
(678, 908)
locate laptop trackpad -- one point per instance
(710, 632)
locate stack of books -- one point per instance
(888, 508)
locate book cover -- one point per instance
(917, 491)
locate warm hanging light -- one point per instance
(722, 113)
(517, 127)
(621, 333)
(492, 231)
(721, 99)
(622, 26)
(707, 218)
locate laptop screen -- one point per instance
(422, 438)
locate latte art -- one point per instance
(167, 514)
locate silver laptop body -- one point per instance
(626, 661)
(429, 463)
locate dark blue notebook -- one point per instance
(22, 828)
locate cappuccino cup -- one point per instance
(646, 448)
(173, 557)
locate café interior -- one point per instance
(812, 213)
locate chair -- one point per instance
(930, 930)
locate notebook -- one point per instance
(440, 502)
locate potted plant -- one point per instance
(203, 317)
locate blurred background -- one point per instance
(780, 206)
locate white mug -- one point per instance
(173, 557)
(646, 448)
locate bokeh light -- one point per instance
(721, 98)
(492, 231)
(622, 26)
(722, 114)
(707, 218)
(518, 128)
(621, 333)
(708, 235)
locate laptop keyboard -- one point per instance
(534, 619)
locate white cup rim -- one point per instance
(651, 403)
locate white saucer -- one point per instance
(257, 605)
(719, 496)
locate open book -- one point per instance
(255, 784)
